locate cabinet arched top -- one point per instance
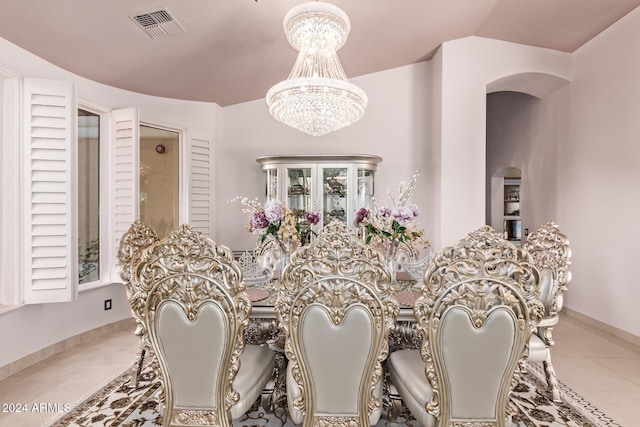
(367, 161)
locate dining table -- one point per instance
(263, 296)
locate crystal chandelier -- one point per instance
(317, 98)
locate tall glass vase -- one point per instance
(390, 252)
(287, 247)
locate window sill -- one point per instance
(93, 285)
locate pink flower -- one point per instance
(258, 220)
(361, 215)
(313, 217)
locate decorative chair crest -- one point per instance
(481, 272)
(186, 251)
(139, 237)
(484, 252)
(336, 251)
(336, 271)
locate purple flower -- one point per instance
(258, 220)
(416, 211)
(273, 210)
(384, 212)
(403, 214)
(313, 217)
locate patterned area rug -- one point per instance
(118, 404)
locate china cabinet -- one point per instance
(335, 185)
(512, 222)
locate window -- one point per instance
(88, 155)
(71, 187)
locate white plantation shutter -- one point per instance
(50, 256)
(125, 134)
(201, 157)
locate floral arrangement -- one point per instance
(276, 220)
(393, 223)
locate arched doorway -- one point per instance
(504, 195)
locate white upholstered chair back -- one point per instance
(336, 309)
(475, 315)
(196, 311)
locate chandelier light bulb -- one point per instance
(317, 98)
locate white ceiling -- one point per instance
(234, 50)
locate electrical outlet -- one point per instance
(526, 231)
(107, 304)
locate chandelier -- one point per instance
(316, 98)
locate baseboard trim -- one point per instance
(40, 355)
(603, 327)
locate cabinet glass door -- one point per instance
(365, 189)
(334, 192)
(298, 184)
(272, 184)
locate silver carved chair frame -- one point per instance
(336, 309)
(134, 241)
(196, 311)
(551, 253)
(476, 314)
(269, 254)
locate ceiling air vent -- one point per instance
(157, 23)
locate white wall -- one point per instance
(598, 191)
(579, 152)
(30, 328)
(468, 67)
(395, 127)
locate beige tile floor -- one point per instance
(603, 369)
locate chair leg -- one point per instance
(140, 359)
(275, 391)
(550, 373)
(394, 402)
(266, 397)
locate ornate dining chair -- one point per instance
(195, 313)
(552, 255)
(475, 316)
(336, 309)
(134, 241)
(269, 255)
